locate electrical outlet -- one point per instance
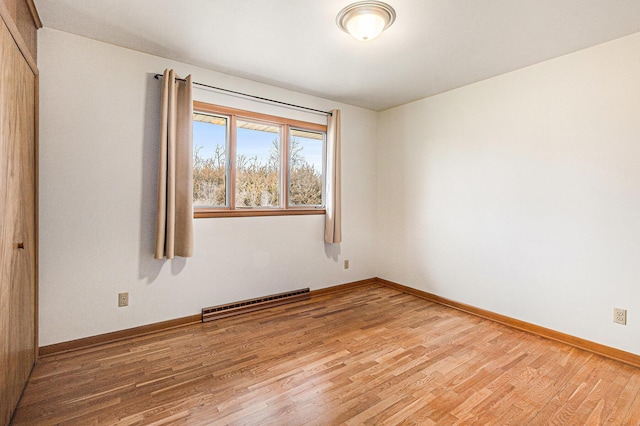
(123, 299)
(620, 316)
(346, 264)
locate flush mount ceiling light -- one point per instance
(365, 20)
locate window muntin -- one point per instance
(269, 165)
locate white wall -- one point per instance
(521, 194)
(98, 151)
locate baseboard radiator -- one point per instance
(236, 308)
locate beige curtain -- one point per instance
(333, 218)
(174, 214)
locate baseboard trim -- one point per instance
(101, 339)
(87, 342)
(587, 345)
(343, 287)
(597, 348)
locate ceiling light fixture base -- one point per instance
(365, 20)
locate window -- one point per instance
(306, 163)
(250, 164)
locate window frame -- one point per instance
(284, 209)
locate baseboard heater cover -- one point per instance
(236, 308)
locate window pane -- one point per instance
(305, 168)
(209, 160)
(257, 165)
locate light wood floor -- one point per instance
(370, 355)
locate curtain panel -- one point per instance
(174, 208)
(333, 216)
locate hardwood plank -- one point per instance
(368, 354)
(101, 339)
(115, 336)
(607, 351)
(626, 399)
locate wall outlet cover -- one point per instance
(123, 299)
(620, 316)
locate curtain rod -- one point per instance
(157, 77)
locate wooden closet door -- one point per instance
(17, 223)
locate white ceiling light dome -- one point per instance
(365, 20)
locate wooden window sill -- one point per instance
(204, 213)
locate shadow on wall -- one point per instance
(332, 251)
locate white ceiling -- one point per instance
(434, 45)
